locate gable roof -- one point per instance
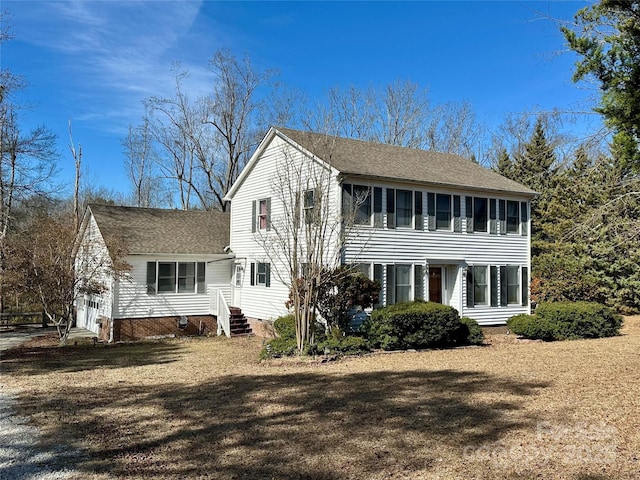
(162, 231)
(390, 162)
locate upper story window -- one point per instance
(175, 277)
(480, 214)
(404, 208)
(261, 214)
(356, 203)
(311, 206)
(485, 214)
(443, 212)
(513, 216)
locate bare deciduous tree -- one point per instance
(399, 114)
(307, 229)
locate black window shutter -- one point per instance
(504, 283)
(347, 209)
(419, 217)
(494, 286)
(377, 277)
(468, 205)
(391, 208)
(253, 273)
(457, 222)
(470, 300)
(200, 278)
(151, 278)
(391, 285)
(502, 206)
(268, 275)
(377, 207)
(524, 284)
(254, 215)
(418, 282)
(524, 218)
(493, 228)
(431, 210)
(268, 213)
(296, 211)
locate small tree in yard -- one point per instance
(346, 291)
(45, 263)
(305, 231)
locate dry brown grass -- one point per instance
(206, 408)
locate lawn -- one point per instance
(206, 408)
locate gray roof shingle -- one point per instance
(369, 159)
(162, 231)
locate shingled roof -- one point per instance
(390, 162)
(162, 231)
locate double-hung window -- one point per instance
(510, 291)
(261, 215)
(443, 212)
(480, 217)
(261, 274)
(175, 277)
(398, 283)
(477, 285)
(513, 217)
(404, 208)
(356, 203)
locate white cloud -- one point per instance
(111, 55)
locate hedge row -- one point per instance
(396, 327)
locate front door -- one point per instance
(435, 284)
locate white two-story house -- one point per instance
(425, 225)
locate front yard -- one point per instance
(206, 408)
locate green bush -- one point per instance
(279, 347)
(337, 342)
(581, 319)
(532, 326)
(413, 325)
(285, 344)
(285, 326)
(470, 332)
(567, 320)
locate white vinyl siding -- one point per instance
(262, 182)
(451, 249)
(134, 301)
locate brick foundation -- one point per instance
(128, 329)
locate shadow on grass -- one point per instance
(302, 425)
(26, 360)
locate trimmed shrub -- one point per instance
(413, 325)
(567, 320)
(581, 319)
(470, 332)
(532, 326)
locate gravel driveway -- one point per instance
(21, 457)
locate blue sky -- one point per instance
(95, 61)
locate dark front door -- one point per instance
(435, 284)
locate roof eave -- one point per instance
(526, 193)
